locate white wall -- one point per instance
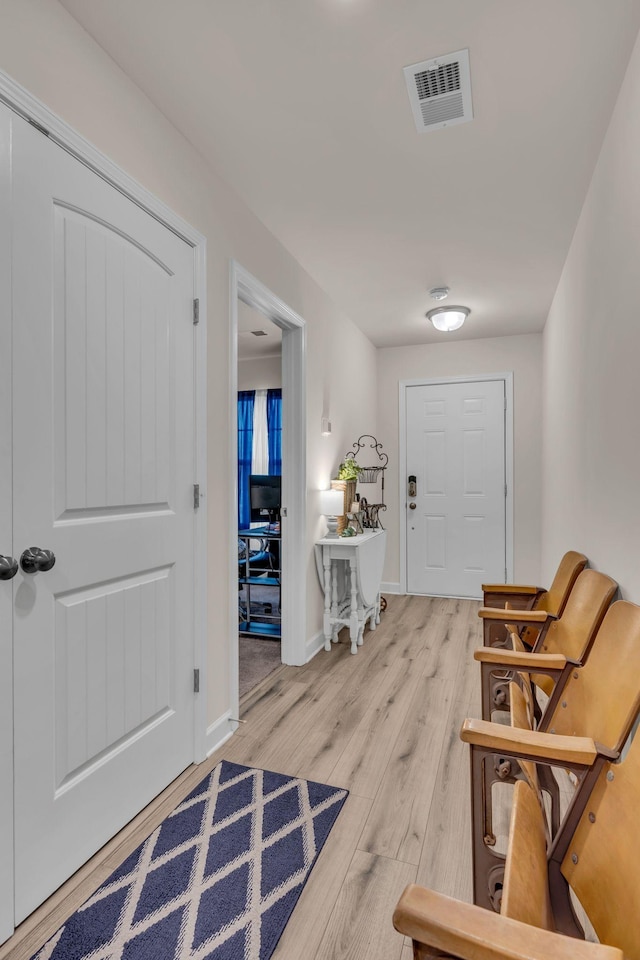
(591, 474)
(45, 50)
(260, 373)
(523, 356)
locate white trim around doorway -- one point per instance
(244, 286)
(402, 461)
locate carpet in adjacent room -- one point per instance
(258, 658)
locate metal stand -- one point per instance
(369, 512)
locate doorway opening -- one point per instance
(259, 496)
(270, 609)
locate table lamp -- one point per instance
(332, 506)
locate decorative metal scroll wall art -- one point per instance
(368, 515)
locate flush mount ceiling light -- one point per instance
(447, 319)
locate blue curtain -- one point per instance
(274, 428)
(245, 449)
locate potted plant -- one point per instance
(346, 481)
(349, 469)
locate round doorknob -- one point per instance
(412, 506)
(35, 560)
(8, 568)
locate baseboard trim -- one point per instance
(219, 732)
(391, 588)
(313, 645)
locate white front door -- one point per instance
(103, 471)
(456, 517)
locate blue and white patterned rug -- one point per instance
(217, 880)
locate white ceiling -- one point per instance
(302, 106)
(268, 343)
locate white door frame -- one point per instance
(402, 461)
(244, 286)
(30, 108)
(7, 589)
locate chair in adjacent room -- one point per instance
(258, 562)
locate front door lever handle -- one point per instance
(35, 560)
(8, 568)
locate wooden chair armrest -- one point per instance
(530, 744)
(520, 659)
(515, 616)
(473, 933)
(515, 588)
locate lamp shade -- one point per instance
(447, 319)
(331, 502)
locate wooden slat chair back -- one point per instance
(555, 598)
(597, 856)
(525, 894)
(599, 700)
(602, 698)
(602, 861)
(573, 633)
(568, 639)
(522, 718)
(522, 597)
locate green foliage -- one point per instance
(349, 469)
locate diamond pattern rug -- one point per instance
(217, 880)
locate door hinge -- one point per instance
(196, 311)
(505, 489)
(196, 496)
(196, 681)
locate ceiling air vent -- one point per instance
(440, 91)
(259, 333)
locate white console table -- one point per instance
(350, 571)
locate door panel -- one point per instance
(436, 542)
(113, 650)
(455, 447)
(435, 462)
(113, 424)
(103, 473)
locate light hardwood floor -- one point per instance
(384, 724)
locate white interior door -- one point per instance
(6, 537)
(103, 471)
(455, 443)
